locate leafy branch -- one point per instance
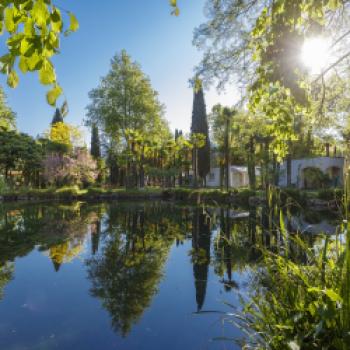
(34, 29)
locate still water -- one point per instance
(127, 275)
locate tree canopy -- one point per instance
(7, 116)
(258, 45)
(127, 110)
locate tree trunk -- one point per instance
(276, 170)
(180, 177)
(227, 156)
(195, 167)
(222, 174)
(142, 170)
(289, 170)
(327, 149)
(251, 164)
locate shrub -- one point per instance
(293, 196)
(244, 195)
(68, 192)
(3, 186)
(295, 306)
(97, 191)
(330, 194)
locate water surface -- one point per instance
(125, 275)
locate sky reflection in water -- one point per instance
(123, 276)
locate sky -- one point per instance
(159, 42)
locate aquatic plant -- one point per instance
(301, 305)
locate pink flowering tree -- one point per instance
(78, 169)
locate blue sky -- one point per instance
(161, 43)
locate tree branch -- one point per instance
(324, 72)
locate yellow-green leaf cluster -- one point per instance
(34, 29)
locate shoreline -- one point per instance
(242, 197)
(198, 196)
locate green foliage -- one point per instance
(95, 150)
(21, 153)
(200, 126)
(68, 192)
(212, 196)
(314, 178)
(126, 109)
(293, 197)
(6, 275)
(260, 44)
(308, 311)
(34, 29)
(7, 116)
(330, 194)
(242, 196)
(126, 275)
(3, 185)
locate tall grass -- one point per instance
(305, 304)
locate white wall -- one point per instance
(322, 163)
(213, 179)
(238, 177)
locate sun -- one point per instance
(315, 54)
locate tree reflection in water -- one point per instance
(130, 244)
(6, 275)
(201, 239)
(126, 273)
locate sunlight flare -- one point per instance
(316, 54)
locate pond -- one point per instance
(128, 275)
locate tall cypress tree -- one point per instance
(95, 142)
(200, 126)
(57, 118)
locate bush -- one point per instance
(294, 196)
(41, 193)
(244, 195)
(3, 186)
(68, 192)
(296, 306)
(97, 191)
(330, 194)
(78, 168)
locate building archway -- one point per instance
(314, 178)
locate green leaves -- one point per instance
(34, 29)
(334, 4)
(56, 21)
(40, 13)
(74, 24)
(12, 79)
(9, 22)
(53, 95)
(47, 74)
(330, 293)
(23, 65)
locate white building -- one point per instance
(238, 177)
(302, 171)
